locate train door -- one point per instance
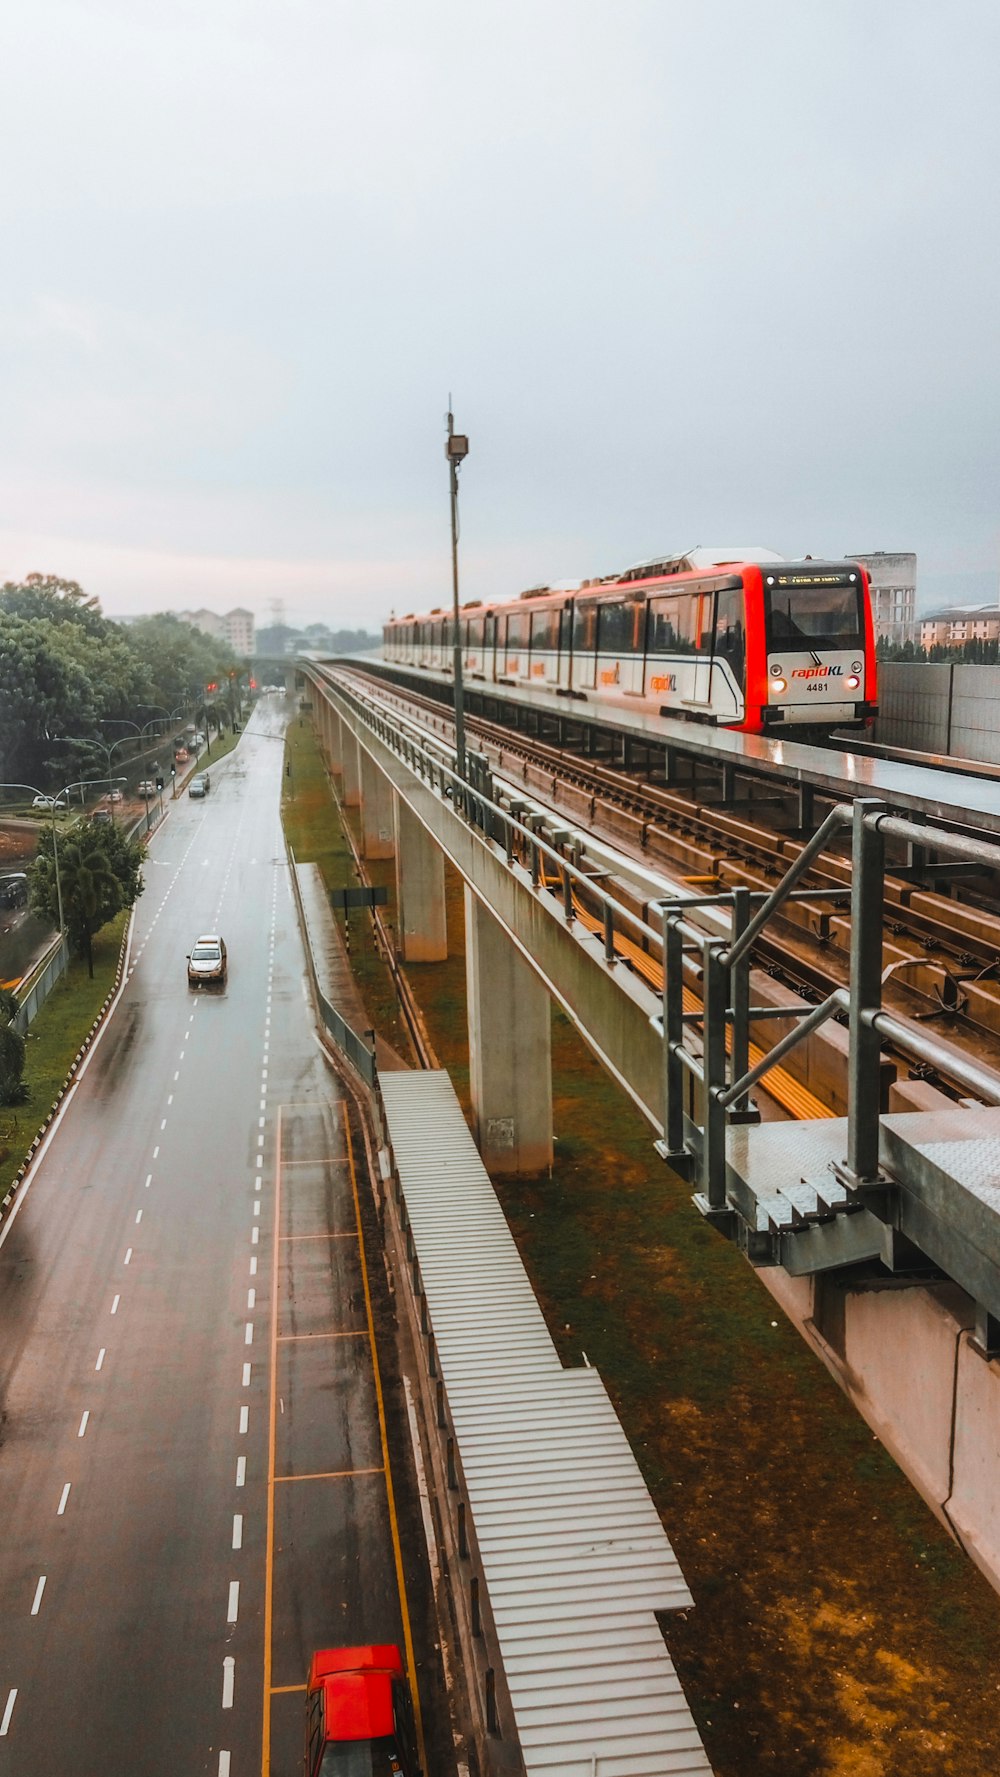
(584, 646)
(694, 619)
(566, 645)
(729, 679)
(489, 646)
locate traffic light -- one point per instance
(159, 783)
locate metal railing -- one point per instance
(356, 1050)
(707, 1075)
(55, 965)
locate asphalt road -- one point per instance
(192, 1451)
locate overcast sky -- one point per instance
(700, 272)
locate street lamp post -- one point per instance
(78, 783)
(89, 740)
(456, 450)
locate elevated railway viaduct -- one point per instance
(876, 1228)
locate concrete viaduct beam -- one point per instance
(351, 767)
(377, 820)
(423, 926)
(510, 1049)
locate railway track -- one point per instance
(941, 949)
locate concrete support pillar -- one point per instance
(377, 825)
(335, 738)
(422, 929)
(510, 1049)
(352, 772)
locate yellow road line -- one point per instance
(350, 1235)
(297, 1338)
(283, 1690)
(383, 1434)
(265, 1756)
(333, 1474)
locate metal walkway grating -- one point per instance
(575, 1558)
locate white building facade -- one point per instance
(237, 627)
(893, 575)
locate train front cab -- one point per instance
(811, 650)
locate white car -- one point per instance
(208, 963)
(48, 802)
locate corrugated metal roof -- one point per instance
(574, 1555)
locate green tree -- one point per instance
(12, 1087)
(39, 685)
(100, 872)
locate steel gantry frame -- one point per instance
(706, 1074)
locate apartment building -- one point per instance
(956, 624)
(237, 627)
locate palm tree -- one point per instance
(91, 892)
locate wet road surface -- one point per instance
(192, 1450)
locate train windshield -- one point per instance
(813, 613)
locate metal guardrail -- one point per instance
(711, 1048)
(55, 965)
(352, 1046)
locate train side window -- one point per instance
(615, 631)
(476, 632)
(585, 629)
(730, 631)
(544, 631)
(663, 635)
(517, 631)
(689, 622)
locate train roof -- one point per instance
(704, 556)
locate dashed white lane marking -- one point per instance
(170, 1100)
(128, 1256)
(163, 1125)
(237, 1530)
(39, 1589)
(253, 1267)
(149, 1180)
(233, 1607)
(248, 1335)
(101, 1355)
(256, 1207)
(241, 1471)
(262, 1123)
(244, 1421)
(251, 1298)
(8, 1711)
(114, 1305)
(156, 1153)
(224, 1764)
(255, 1236)
(138, 1216)
(246, 1375)
(83, 1423)
(61, 1507)
(258, 1181)
(177, 1075)
(228, 1685)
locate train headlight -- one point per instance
(778, 685)
(852, 682)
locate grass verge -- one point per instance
(316, 836)
(53, 1040)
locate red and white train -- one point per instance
(739, 638)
